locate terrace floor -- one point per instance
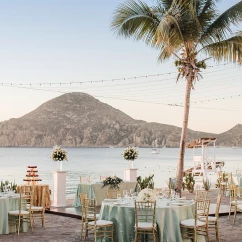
(66, 228)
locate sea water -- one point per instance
(96, 162)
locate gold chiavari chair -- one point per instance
(82, 197)
(234, 203)
(22, 214)
(190, 228)
(213, 221)
(38, 212)
(85, 179)
(201, 195)
(101, 228)
(111, 194)
(145, 220)
(225, 179)
(102, 178)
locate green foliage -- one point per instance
(8, 185)
(223, 178)
(112, 182)
(147, 182)
(206, 183)
(188, 182)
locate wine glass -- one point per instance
(131, 192)
(119, 196)
(125, 193)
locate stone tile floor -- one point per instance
(65, 229)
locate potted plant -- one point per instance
(147, 182)
(188, 182)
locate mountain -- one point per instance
(80, 120)
(232, 137)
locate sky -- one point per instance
(62, 41)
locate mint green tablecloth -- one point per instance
(168, 220)
(8, 204)
(96, 191)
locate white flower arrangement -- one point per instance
(59, 154)
(147, 195)
(130, 153)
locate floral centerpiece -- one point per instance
(8, 186)
(58, 154)
(130, 154)
(147, 195)
(112, 182)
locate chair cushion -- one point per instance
(144, 225)
(239, 207)
(234, 202)
(16, 212)
(36, 208)
(101, 222)
(91, 216)
(210, 219)
(191, 223)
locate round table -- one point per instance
(8, 204)
(37, 194)
(168, 219)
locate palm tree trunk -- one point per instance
(180, 166)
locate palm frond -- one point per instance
(220, 28)
(166, 4)
(226, 50)
(137, 20)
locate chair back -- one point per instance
(82, 197)
(43, 198)
(201, 209)
(145, 212)
(111, 194)
(102, 178)
(233, 193)
(85, 179)
(201, 195)
(218, 205)
(89, 207)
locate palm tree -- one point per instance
(187, 30)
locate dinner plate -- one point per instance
(178, 204)
(120, 203)
(110, 200)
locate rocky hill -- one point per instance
(80, 120)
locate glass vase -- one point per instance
(59, 165)
(131, 164)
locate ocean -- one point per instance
(96, 162)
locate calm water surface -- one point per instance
(103, 161)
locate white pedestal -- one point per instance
(130, 174)
(59, 189)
